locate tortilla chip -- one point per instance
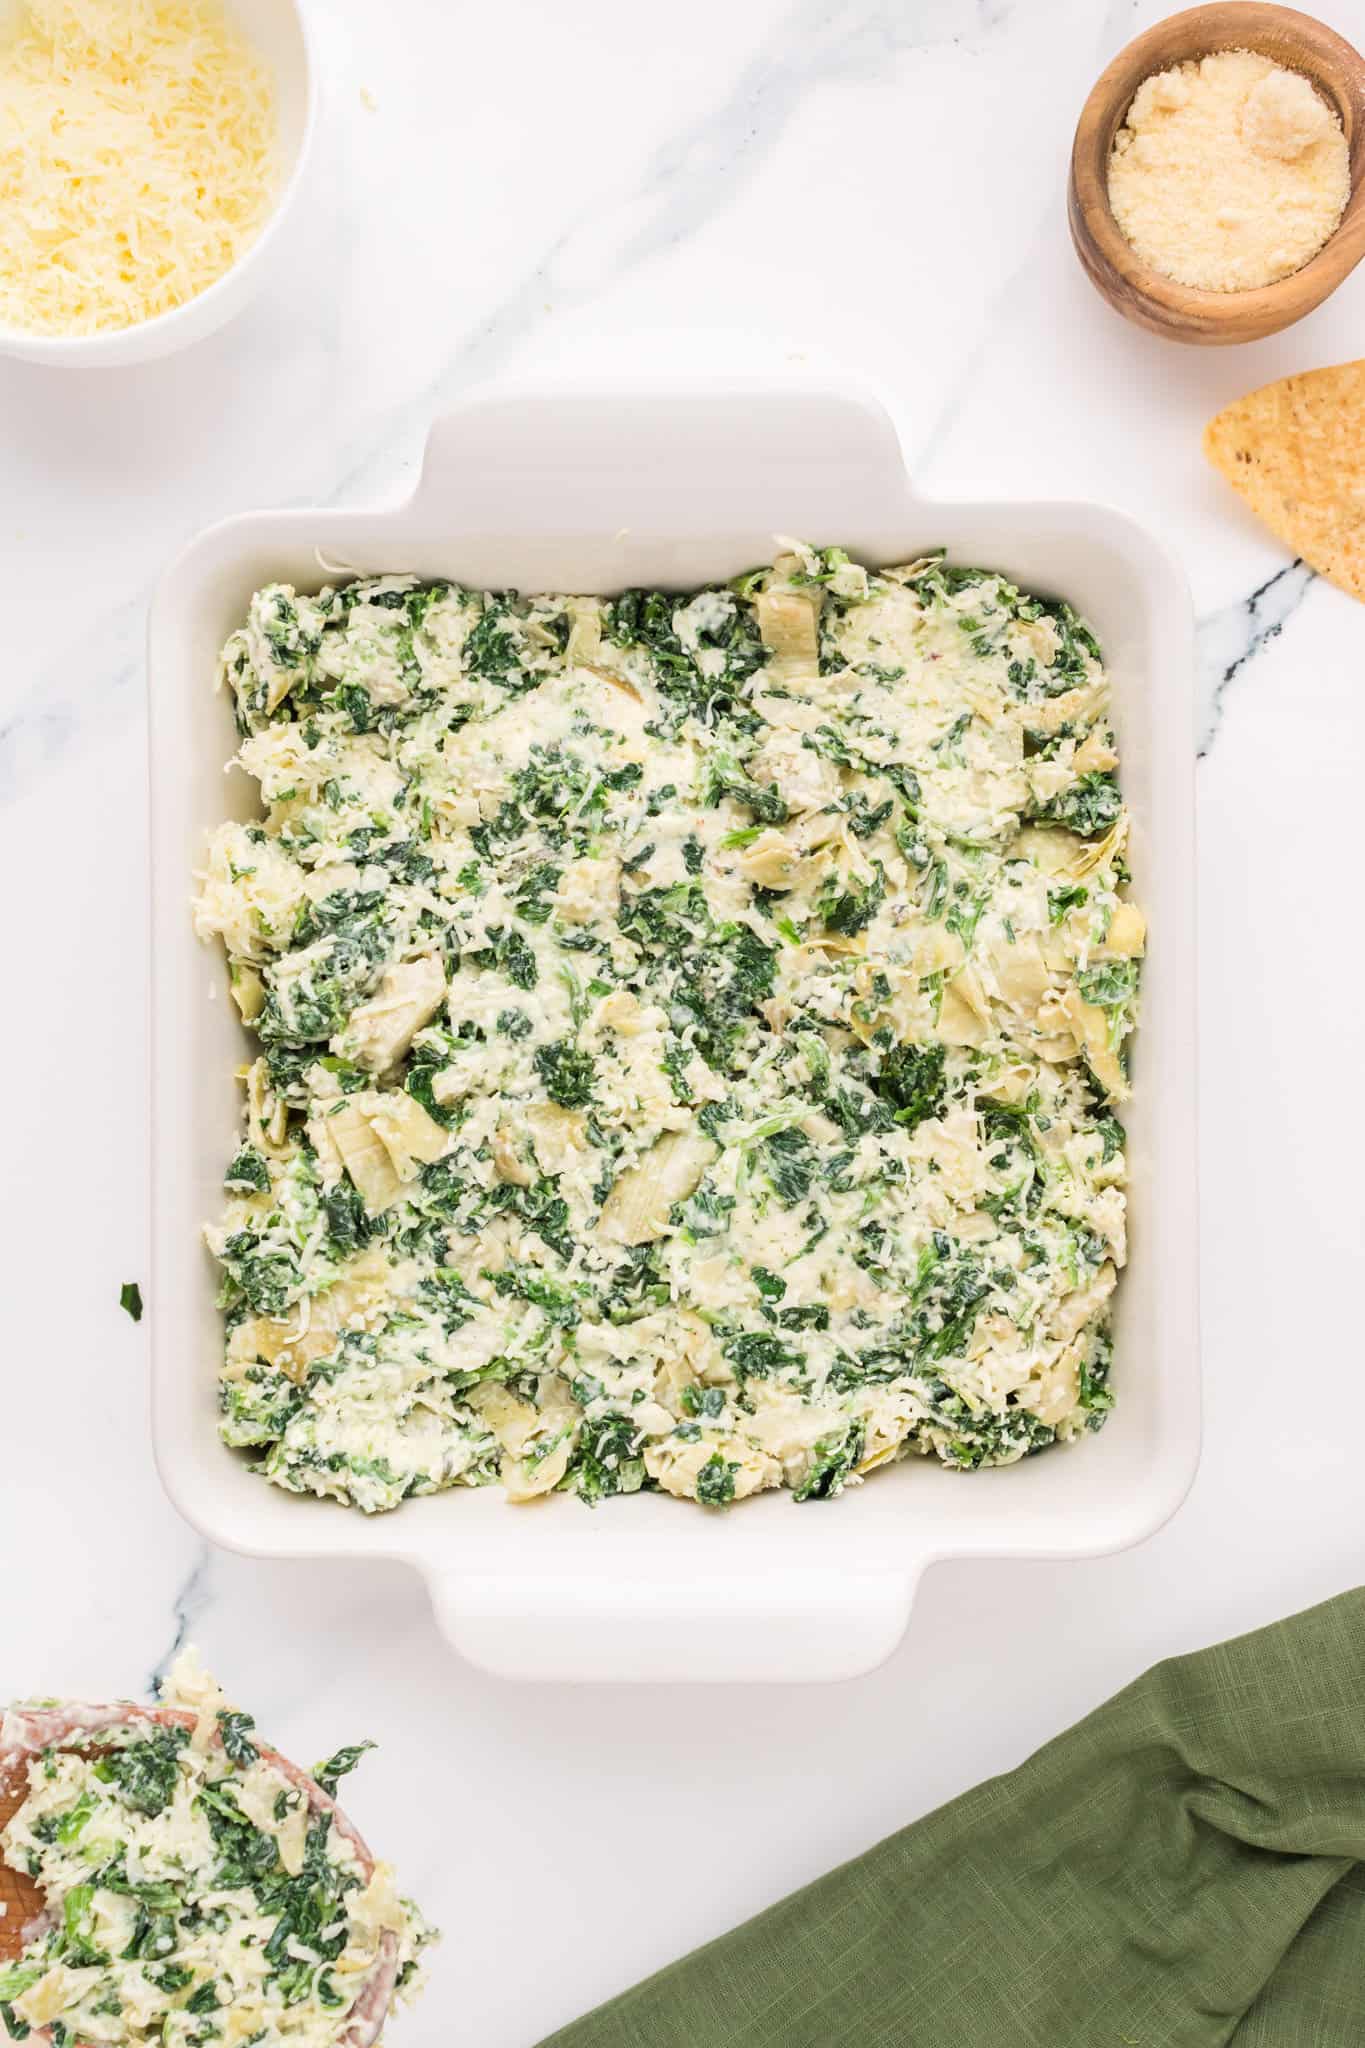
(1296, 452)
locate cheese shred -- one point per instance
(137, 160)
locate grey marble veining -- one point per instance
(1228, 639)
(190, 1603)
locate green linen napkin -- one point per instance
(1185, 1867)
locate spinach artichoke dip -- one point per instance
(197, 1888)
(689, 1033)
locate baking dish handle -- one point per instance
(824, 1625)
(636, 457)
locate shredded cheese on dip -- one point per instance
(688, 1032)
(1228, 173)
(137, 159)
(196, 1888)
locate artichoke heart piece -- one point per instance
(380, 1032)
(543, 1139)
(621, 684)
(514, 1422)
(637, 1208)
(364, 1155)
(1021, 975)
(1083, 1305)
(1127, 933)
(1089, 1026)
(938, 951)
(49, 1996)
(411, 1137)
(773, 862)
(292, 1343)
(248, 990)
(1074, 707)
(964, 1015)
(1055, 851)
(789, 623)
(537, 1442)
(790, 714)
(681, 1468)
(528, 1478)
(585, 630)
(1095, 755)
(1054, 1392)
(508, 1163)
(1049, 848)
(1097, 853)
(559, 1137)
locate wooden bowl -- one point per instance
(1141, 294)
(19, 1895)
(80, 1727)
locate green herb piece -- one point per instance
(235, 1728)
(329, 1774)
(716, 1481)
(568, 1074)
(912, 1081)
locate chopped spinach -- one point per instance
(716, 1481)
(1088, 808)
(569, 1074)
(329, 1774)
(606, 1458)
(912, 1081)
(145, 1773)
(235, 1730)
(248, 1171)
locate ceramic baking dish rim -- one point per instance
(540, 1597)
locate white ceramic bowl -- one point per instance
(278, 31)
(595, 490)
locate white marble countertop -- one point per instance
(859, 183)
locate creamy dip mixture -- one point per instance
(197, 1889)
(689, 1030)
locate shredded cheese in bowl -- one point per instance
(1228, 173)
(137, 160)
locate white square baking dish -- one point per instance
(593, 490)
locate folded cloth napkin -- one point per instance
(1186, 1867)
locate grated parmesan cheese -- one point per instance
(1228, 173)
(137, 160)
